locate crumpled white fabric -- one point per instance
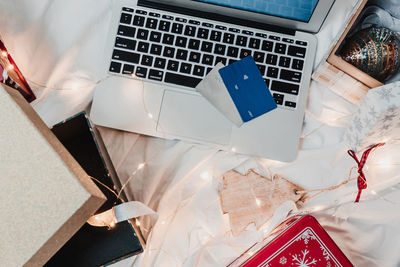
(60, 44)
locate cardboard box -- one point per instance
(45, 196)
(91, 245)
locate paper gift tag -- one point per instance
(238, 91)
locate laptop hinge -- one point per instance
(217, 17)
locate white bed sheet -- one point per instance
(59, 44)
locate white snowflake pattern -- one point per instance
(325, 253)
(303, 261)
(306, 236)
(386, 94)
(283, 260)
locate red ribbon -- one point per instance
(361, 180)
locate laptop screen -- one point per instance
(300, 10)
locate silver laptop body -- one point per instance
(150, 88)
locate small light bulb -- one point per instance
(204, 176)
(373, 192)
(140, 166)
(150, 115)
(163, 222)
(4, 53)
(137, 223)
(258, 202)
(233, 149)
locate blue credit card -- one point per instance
(247, 88)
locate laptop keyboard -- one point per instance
(178, 50)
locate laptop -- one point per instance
(157, 51)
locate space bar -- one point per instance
(181, 79)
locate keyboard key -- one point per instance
(183, 80)
(194, 57)
(155, 49)
(177, 28)
(141, 72)
(115, 66)
(284, 62)
(280, 48)
(195, 22)
(220, 27)
(267, 82)
(168, 39)
(292, 76)
(290, 104)
(168, 17)
(138, 20)
(278, 98)
(141, 12)
(301, 43)
(202, 33)
(185, 68)
(156, 75)
(276, 38)
(155, 36)
(190, 30)
(198, 70)
(126, 56)
(151, 23)
(228, 38)
(234, 30)
(208, 59)
(245, 53)
(143, 47)
(159, 63)
(172, 65)
(263, 35)
(164, 25)
(147, 60)
(296, 51)
(181, 54)
(272, 72)
(271, 59)
(233, 51)
(128, 69)
(127, 9)
(283, 87)
(216, 36)
(254, 43)
(153, 14)
(261, 68)
(220, 59)
(125, 43)
(206, 46)
(231, 61)
(219, 49)
(267, 45)
(287, 40)
(259, 57)
(247, 32)
(126, 31)
(297, 64)
(169, 52)
(241, 40)
(194, 44)
(181, 41)
(181, 20)
(126, 18)
(142, 34)
(208, 70)
(208, 25)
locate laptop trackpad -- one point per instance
(192, 116)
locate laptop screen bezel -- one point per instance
(313, 25)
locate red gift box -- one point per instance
(299, 241)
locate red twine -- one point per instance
(361, 180)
